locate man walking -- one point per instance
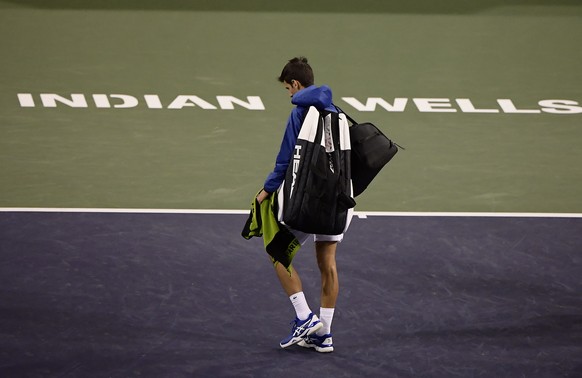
(308, 329)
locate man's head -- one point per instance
(296, 75)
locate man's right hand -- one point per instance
(262, 195)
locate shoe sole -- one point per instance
(324, 350)
(297, 339)
(327, 349)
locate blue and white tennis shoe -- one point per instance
(301, 329)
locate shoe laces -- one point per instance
(294, 323)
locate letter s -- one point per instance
(560, 106)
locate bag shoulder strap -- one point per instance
(353, 121)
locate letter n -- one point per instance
(50, 100)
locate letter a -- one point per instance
(182, 101)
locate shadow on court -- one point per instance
(183, 295)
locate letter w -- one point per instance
(372, 102)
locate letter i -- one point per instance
(26, 100)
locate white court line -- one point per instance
(465, 214)
(359, 214)
(117, 210)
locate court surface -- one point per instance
(134, 135)
(173, 295)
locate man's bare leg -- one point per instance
(291, 282)
(327, 266)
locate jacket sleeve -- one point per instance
(276, 177)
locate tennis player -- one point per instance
(308, 329)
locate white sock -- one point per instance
(300, 304)
(326, 317)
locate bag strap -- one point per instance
(353, 121)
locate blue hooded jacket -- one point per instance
(321, 98)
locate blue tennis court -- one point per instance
(134, 294)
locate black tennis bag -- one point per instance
(316, 196)
(371, 151)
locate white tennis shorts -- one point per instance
(302, 237)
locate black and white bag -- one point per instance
(316, 195)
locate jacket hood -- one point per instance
(320, 97)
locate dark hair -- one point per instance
(297, 69)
